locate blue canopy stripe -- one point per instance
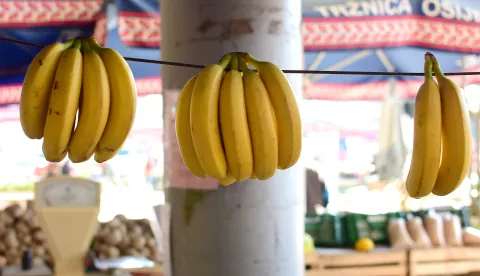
(345, 24)
(41, 22)
(10, 93)
(354, 35)
(373, 90)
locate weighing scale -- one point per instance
(68, 209)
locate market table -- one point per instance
(385, 261)
(380, 262)
(450, 261)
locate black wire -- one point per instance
(316, 72)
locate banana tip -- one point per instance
(430, 56)
(426, 57)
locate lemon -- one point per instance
(308, 244)
(364, 244)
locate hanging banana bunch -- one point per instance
(442, 146)
(78, 78)
(234, 123)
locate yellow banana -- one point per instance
(64, 154)
(204, 119)
(289, 125)
(262, 125)
(427, 137)
(63, 106)
(35, 96)
(234, 124)
(123, 102)
(183, 130)
(456, 135)
(95, 108)
(227, 180)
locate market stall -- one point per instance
(430, 242)
(327, 27)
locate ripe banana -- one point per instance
(35, 96)
(427, 137)
(63, 105)
(95, 108)
(262, 125)
(234, 125)
(289, 125)
(227, 180)
(183, 130)
(204, 119)
(456, 135)
(123, 102)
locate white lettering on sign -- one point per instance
(366, 8)
(444, 9)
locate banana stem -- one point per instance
(77, 44)
(250, 59)
(225, 61)
(234, 63)
(93, 44)
(69, 43)
(243, 64)
(436, 66)
(86, 46)
(427, 69)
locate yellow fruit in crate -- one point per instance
(364, 244)
(308, 244)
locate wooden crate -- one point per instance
(146, 271)
(444, 261)
(344, 262)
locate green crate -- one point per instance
(463, 213)
(374, 227)
(327, 230)
(421, 213)
(312, 224)
(395, 215)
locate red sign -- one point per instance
(177, 175)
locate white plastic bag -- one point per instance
(434, 227)
(452, 228)
(398, 234)
(418, 233)
(471, 236)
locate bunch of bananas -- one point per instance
(78, 76)
(233, 123)
(442, 145)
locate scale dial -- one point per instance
(67, 192)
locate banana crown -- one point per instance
(226, 60)
(234, 63)
(86, 48)
(243, 65)
(77, 44)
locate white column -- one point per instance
(253, 228)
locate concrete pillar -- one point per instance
(251, 228)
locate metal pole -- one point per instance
(250, 228)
